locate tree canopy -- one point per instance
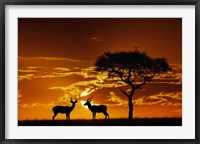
(132, 66)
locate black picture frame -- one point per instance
(3, 3)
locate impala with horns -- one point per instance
(96, 108)
(64, 109)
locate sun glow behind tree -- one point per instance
(87, 92)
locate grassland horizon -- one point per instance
(105, 122)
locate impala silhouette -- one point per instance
(64, 109)
(96, 108)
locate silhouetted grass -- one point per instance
(108, 122)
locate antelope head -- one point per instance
(88, 101)
(73, 102)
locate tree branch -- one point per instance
(129, 74)
(121, 77)
(146, 78)
(139, 85)
(120, 74)
(124, 92)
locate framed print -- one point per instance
(100, 72)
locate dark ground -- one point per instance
(102, 122)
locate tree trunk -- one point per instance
(130, 103)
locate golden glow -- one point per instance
(82, 103)
(86, 92)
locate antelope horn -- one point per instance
(89, 98)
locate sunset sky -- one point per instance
(56, 59)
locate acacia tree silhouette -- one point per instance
(134, 68)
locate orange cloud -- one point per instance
(97, 39)
(101, 77)
(30, 69)
(115, 100)
(19, 96)
(26, 71)
(62, 69)
(51, 59)
(164, 99)
(48, 105)
(26, 76)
